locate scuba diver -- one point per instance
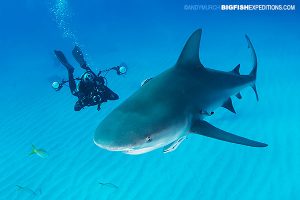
(91, 88)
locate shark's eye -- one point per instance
(148, 139)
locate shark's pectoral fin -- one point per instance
(171, 147)
(228, 105)
(189, 57)
(204, 128)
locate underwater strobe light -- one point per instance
(121, 69)
(56, 85)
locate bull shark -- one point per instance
(168, 107)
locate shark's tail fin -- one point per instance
(254, 68)
(253, 74)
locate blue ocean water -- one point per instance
(148, 36)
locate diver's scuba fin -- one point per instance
(61, 57)
(78, 55)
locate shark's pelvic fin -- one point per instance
(236, 70)
(238, 95)
(204, 128)
(228, 105)
(189, 57)
(254, 68)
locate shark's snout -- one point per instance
(132, 133)
(117, 137)
(127, 139)
(129, 147)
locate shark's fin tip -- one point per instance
(189, 57)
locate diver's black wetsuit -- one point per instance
(89, 93)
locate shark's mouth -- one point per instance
(133, 150)
(111, 148)
(144, 148)
(126, 149)
(136, 151)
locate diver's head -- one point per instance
(88, 77)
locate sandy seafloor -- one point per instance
(148, 37)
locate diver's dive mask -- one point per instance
(88, 77)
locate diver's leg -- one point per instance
(61, 57)
(78, 55)
(72, 83)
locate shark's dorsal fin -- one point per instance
(228, 105)
(236, 70)
(189, 57)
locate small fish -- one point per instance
(111, 185)
(28, 190)
(40, 152)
